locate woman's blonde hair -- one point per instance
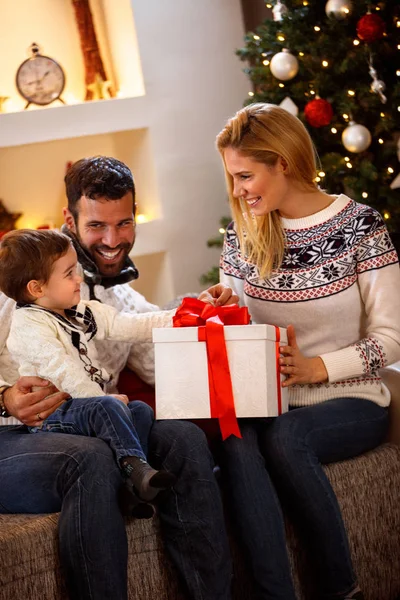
(265, 132)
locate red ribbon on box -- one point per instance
(278, 368)
(210, 321)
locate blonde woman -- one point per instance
(324, 267)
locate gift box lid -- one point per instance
(232, 332)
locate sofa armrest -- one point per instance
(391, 378)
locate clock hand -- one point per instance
(43, 76)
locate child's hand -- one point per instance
(121, 397)
(297, 368)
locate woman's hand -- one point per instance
(32, 407)
(219, 295)
(297, 368)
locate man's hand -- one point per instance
(297, 368)
(31, 408)
(121, 397)
(219, 295)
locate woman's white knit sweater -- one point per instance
(339, 285)
(64, 351)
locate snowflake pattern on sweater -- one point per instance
(329, 263)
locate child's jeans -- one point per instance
(124, 428)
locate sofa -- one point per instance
(368, 489)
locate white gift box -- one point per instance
(181, 369)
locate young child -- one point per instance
(52, 336)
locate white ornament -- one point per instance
(338, 8)
(284, 65)
(356, 138)
(279, 11)
(288, 104)
(396, 181)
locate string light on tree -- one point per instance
(340, 9)
(284, 65)
(356, 138)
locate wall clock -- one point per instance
(40, 79)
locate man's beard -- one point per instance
(106, 269)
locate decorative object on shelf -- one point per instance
(284, 65)
(288, 104)
(318, 112)
(7, 220)
(90, 49)
(3, 100)
(99, 89)
(377, 86)
(279, 11)
(40, 79)
(356, 138)
(370, 28)
(340, 9)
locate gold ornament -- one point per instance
(100, 89)
(3, 100)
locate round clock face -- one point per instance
(40, 80)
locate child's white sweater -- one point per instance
(64, 352)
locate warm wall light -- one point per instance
(356, 42)
(334, 130)
(325, 63)
(364, 195)
(140, 218)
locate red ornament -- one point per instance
(318, 112)
(370, 28)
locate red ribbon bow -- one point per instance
(211, 320)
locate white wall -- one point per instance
(193, 82)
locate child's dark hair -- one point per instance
(27, 254)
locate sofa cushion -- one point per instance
(368, 490)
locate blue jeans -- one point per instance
(125, 428)
(280, 460)
(79, 476)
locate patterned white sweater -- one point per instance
(113, 356)
(339, 285)
(64, 352)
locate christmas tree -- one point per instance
(337, 65)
